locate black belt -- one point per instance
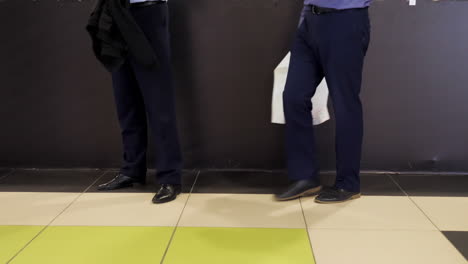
(148, 3)
(317, 10)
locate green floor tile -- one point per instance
(97, 245)
(14, 238)
(239, 245)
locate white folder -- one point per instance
(319, 113)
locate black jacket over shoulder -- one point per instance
(115, 35)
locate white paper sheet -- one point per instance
(319, 113)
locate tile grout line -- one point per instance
(307, 230)
(417, 206)
(420, 209)
(59, 214)
(180, 217)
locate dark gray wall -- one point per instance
(56, 106)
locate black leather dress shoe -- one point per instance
(120, 181)
(335, 195)
(167, 193)
(299, 189)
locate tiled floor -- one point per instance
(57, 216)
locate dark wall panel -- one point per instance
(57, 110)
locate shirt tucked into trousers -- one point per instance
(333, 46)
(147, 95)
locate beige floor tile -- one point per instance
(447, 213)
(368, 212)
(332, 246)
(121, 209)
(241, 210)
(32, 208)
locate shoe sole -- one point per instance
(309, 192)
(354, 197)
